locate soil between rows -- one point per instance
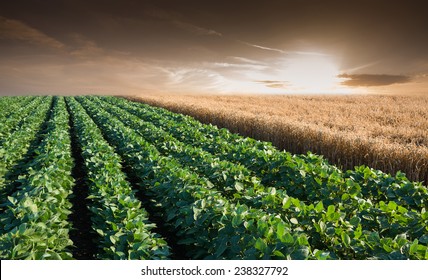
(82, 234)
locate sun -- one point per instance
(294, 72)
(312, 73)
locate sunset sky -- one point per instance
(282, 46)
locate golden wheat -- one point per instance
(389, 133)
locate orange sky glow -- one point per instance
(275, 47)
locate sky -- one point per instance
(199, 47)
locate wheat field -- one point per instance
(389, 133)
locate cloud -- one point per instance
(274, 84)
(242, 63)
(363, 66)
(238, 66)
(305, 53)
(195, 29)
(185, 79)
(246, 60)
(17, 30)
(53, 74)
(81, 46)
(263, 47)
(310, 53)
(368, 80)
(174, 19)
(84, 47)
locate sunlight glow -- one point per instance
(312, 74)
(294, 73)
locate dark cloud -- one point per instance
(396, 30)
(369, 80)
(15, 30)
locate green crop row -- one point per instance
(16, 145)
(192, 206)
(9, 104)
(231, 179)
(35, 225)
(16, 117)
(117, 217)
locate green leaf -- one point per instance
(248, 224)
(414, 247)
(323, 226)
(209, 184)
(302, 240)
(12, 200)
(286, 203)
(355, 221)
(287, 238)
(22, 228)
(262, 226)
(196, 213)
(387, 248)
(330, 210)
(121, 255)
(402, 209)
(392, 205)
(30, 204)
(236, 221)
(346, 239)
(345, 197)
(319, 207)
(358, 232)
(114, 226)
(203, 203)
(296, 202)
(396, 256)
(278, 254)
(280, 230)
(320, 255)
(424, 239)
(239, 186)
(260, 245)
(220, 249)
(330, 231)
(300, 254)
(55, 256)
(373, 238)
(294, 221)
